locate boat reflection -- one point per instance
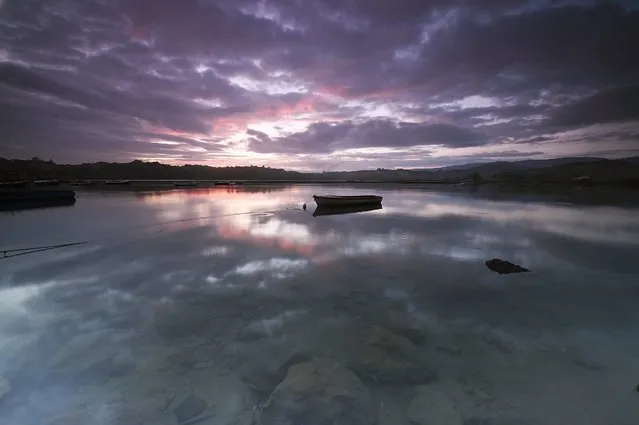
(346, 209)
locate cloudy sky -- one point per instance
(318, 84)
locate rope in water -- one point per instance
(16, 252)
(10, 253)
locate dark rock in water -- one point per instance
(265, 376)
(385, 356)
(404, 325)
(319, 393)
(637, 389)
(504, 267)
(189, 408)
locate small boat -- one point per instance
(18, 205)
(335, 200)
(117, 182)
(345, 209)
(46, 182)
(36, 195)
(185, 184)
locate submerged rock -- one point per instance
(189, 408)
(504, 267)
(264, 376)
(403, 324)
(433, 406)
(319, 393)
(385, 356)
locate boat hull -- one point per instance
(345, 209)
(36, 195)
(36, 204)
(331, 201)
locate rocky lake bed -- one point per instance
(283, 319)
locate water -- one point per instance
(191, 306)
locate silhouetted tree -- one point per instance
(476, 178)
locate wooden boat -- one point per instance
(117, 182)
(335, 200)
(36, 195)
(35, 204)
(345, 209)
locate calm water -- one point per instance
(192, 306)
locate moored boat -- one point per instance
(117, 182)
(345, 209)
(36, 195)
(337, 200)
(35, 204)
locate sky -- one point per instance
(318, 84)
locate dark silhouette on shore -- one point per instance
(573, 171)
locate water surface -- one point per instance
(208, 293)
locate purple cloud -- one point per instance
(123, 79)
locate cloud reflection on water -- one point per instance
(226, 275)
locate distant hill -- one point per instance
(488, 169)
(139, 170)
(530, 171)
(528, 163)
(600, 171)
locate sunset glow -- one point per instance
(304, 85)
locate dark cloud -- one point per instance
(121, 79)
(562, 46)
(161, 109)
(331, 137)
(508, 55)
(497, 112)
(196, 26)
(613, 105)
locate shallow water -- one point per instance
(189, 306)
